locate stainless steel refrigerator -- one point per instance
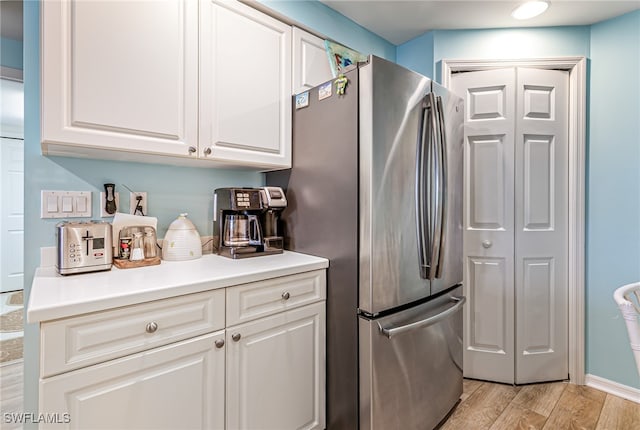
(376, 187)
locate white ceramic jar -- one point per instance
(182, 241)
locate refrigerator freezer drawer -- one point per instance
(411, 365)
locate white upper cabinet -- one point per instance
(119, 76)
(178, 82)
(310, 62)
(245, 85)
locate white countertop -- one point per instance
(54, 296)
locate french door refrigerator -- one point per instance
(376, 187)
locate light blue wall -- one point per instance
(171, 190)
(417, 54)
(613, 184)
(425, 53)
(11, 53)
(334, 25)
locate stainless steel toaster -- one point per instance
(84, 246)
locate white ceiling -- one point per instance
(398, 21)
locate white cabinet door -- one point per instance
(119, 76)
(178, 386)
(275, 371)
(245, 86)
(310, 61)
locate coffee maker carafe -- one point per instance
(238, 223)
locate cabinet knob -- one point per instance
(152, 327)
(219, 343)
(236, 337)
(192, 149)
(286, 295)
(486, 244)
(207, 151)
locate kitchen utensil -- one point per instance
(182, 241)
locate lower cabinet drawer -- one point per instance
(81, 341)
(258, 299)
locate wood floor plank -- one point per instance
(469, 386)
(517, 417)
(540, 398)
(482, 408)
(619, 414)
(578, 408)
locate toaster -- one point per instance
(84, 246)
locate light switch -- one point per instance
(67, 204)
(52, 204)
(81, 204)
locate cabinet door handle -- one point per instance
(286, 295)
(219, 343)
(152, 327)
(236, 337)
(192, 149)
(207, 151)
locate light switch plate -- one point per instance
(65, 204)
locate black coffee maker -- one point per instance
(238, 219)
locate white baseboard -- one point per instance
(614, 388)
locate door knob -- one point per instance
(286, 295)
(219, 343)
(235, 337)
(192, 149)
(207, 151)
(486, 244)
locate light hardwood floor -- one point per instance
(551, 406)
(10, 392)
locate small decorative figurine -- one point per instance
(341, 84)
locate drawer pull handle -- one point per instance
(152, 327)
(219, 343)
(235, 337)
(286, 295)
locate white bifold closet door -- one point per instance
(515, 242)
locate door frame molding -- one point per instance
(577, 68)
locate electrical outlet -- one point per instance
(103, 196)
(133, 202)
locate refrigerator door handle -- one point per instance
(442, 213)
(389, 332)
(436, 195)
(424, 134)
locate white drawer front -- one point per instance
(94, 338)
(250, 301)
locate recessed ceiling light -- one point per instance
(530, 9)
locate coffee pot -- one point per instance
(242, 230)
(239, 225)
